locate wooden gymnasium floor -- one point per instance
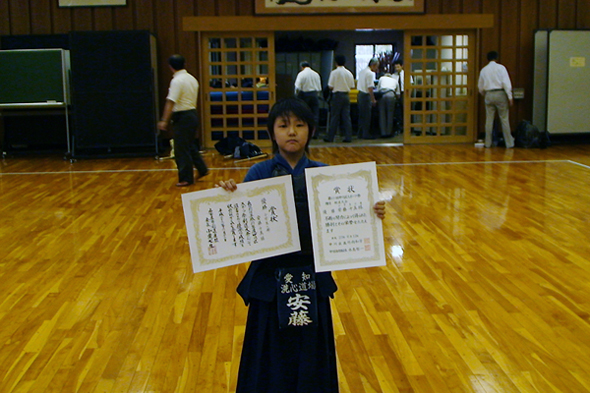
(486, 288)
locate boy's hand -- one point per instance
(228, 185)
(379, 209)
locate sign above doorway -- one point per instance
(338, 6)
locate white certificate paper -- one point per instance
(346, 232)
(256, 221)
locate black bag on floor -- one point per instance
(227, 146)
(529, 136)
(247, 150)
(237, 148)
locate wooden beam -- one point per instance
(337, 22)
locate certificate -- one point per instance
(256, 221)
(346, 232)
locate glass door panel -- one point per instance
(239, 89)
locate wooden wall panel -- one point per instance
(509, 35)
(205, 8)
(583, 14)
(20, 17)
(167, 43)
(62, 19)
(245, 8)
(566, 13)
(40, 20)
(452, 7)
(123, 18)
(103, 18)
(434, 7)
(525, 58)
(547, 14)
(4, 17)
(227, 7)
(490, 38)
(472, 7)
(187, 45)
(82, 20)
(144, 15)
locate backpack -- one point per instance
(236, 147)
(529, 136)
(247, 150)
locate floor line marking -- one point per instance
(579, 164)
(246, 168)
(474, 162)
(108, 171)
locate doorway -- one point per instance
(441, 85)
(238, 85)
(440, 108)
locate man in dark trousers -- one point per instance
(341, 81)
(308, 86)
(366, 98)
(398, 67)
(181, 110)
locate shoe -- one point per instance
(201, 176)
(327, 140)
(183, 184)
(347, 141)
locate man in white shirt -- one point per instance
(181, 110)
(340, 83)
(366, 98)
(387, 86)
(307, 87)
(494, 84)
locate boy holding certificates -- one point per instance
(289, 339)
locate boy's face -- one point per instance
(397, 67)
(291, 134)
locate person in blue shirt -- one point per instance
(276, 358)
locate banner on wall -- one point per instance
(90, 3)
(338, 6)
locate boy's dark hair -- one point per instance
(176, 62)
(400, 62)
(493, 55)
(340, 60)
(283, 109)
(304, 64)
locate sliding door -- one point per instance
(440, 86)
(238, 85)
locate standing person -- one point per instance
(181, 110)
(398, 67)
(340, 83)
(307, 87)
(387, 85)
(494, 84)
(366, 98)
(275, 358)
